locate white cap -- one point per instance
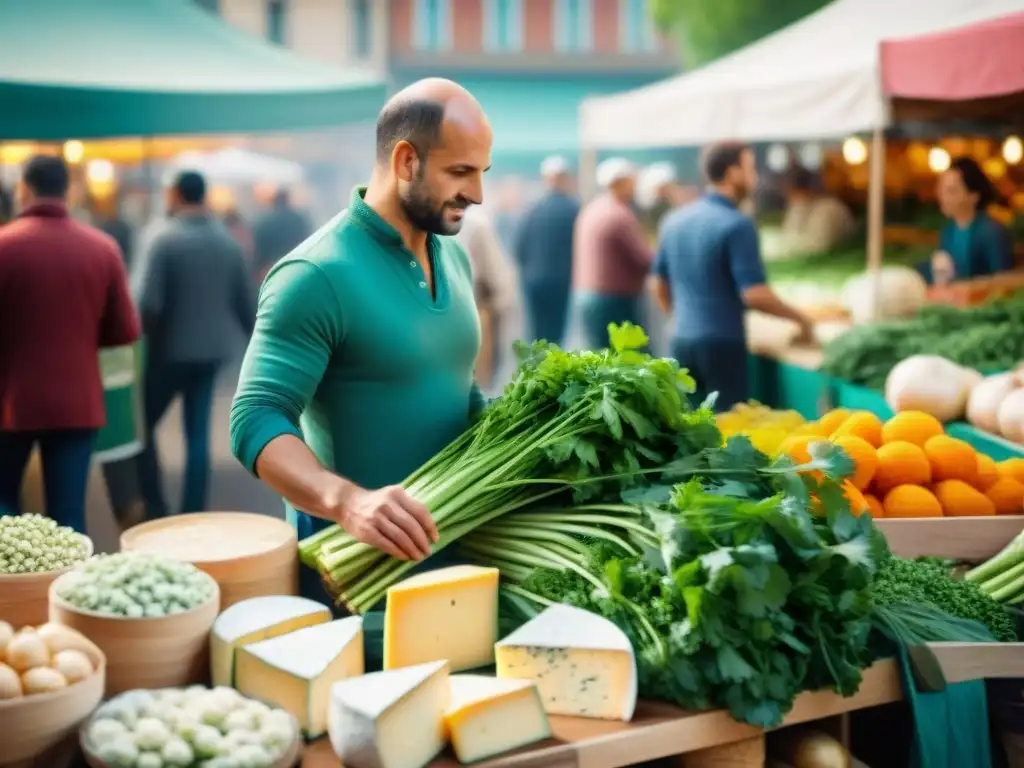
(614, 169)
(555, 165)
(651, 179)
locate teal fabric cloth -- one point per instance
(951, 727)
(979, 249)
(354, 355)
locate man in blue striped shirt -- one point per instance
(708, 272)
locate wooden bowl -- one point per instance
(31, 725)
(288, 760)
(248, 555)
(23, 596)
(158, 652)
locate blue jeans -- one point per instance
(66, 455)
(164, 382)
(546, 308)
(597, 310)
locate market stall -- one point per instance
(631, 586)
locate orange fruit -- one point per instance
(901, 463)
(1012, 468)
(951, 459)
(830, 422)
(862, 424)
(864, 458)
(958, 499)
(911, 501)
(858, 504)
(911, 427)
(988, 472)
(1007, 495)
(797, 446)
(874, 505)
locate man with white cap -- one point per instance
(611, 256)
(543, 252)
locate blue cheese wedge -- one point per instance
(582, 663)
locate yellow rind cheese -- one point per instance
(258, 618)
(390, 719)
(488, 716)
(296, 671)
(449, 614)
(583, 664)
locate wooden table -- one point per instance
(659, 730)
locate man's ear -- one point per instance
(404, 159)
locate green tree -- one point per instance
(708, 29)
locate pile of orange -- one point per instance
(909, 467)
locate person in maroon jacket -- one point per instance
(63, 295)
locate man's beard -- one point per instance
(425, 213)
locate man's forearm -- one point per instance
(764, 299)
(287, 465)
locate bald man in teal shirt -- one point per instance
(360, 367)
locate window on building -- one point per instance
(503, 25)
(574, 25)
(213, 6)
(276, 22)
(636, 28)
(362, 28)
(432, 25)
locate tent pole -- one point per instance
(876, 216)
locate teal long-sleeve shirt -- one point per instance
(353, 354)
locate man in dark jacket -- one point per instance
(195, 296)
(543, 253)
(277, 232)
(63, 295)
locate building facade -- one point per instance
(529, 62)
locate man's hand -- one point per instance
(390, 520)
(806, 336)
(943, 268)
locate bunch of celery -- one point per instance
(580, 425)
(1002, 577)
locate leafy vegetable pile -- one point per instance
(927, 583)
(831, 269)
(583, 424)
(738, 597)
(986, 337)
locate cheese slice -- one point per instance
(582, 663)
(488, 716)
(390, 719)
(296, 671)
(449, 614)
(257, 618)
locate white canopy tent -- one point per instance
(235, 166)
(817, 78)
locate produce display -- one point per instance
(996, 405)
(985, 338)
(41, 659)
(179, 728)
(909, 467)
(931, 384)
(766, 428)
(36, 544)
(1002, 576)
(136, 585)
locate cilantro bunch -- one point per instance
(738, 596)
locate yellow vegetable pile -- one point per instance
(909, 467)
(41, 660)
(766, 428)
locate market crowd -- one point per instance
(391, 319)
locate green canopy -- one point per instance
(81, 69)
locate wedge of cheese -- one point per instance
(489, 715)
(449, 614)
(582, 663)
(390, 719)
(296, 671)
(258, 618)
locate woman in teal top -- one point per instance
(972, 244)
(360, 367)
